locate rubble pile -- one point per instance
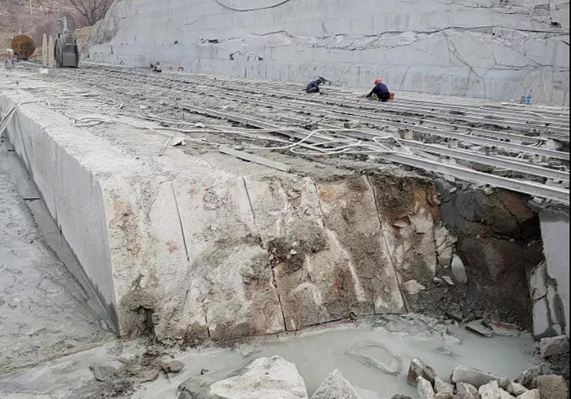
(538, 382)
(275, 377)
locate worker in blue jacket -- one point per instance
(381, 91)
(313, 86)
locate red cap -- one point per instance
(377, 81)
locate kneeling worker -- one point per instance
(313, 86)
(381, 91)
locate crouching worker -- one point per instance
(156, 67)
(313, 86)
(381, 91)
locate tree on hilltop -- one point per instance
(91, 10)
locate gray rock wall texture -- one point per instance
(496, 49)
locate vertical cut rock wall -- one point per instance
(497, 49)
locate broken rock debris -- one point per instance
(470, 383)
(336, 386)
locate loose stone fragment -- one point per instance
(104, 373)
(459, 270)
(552, 387)
(554, 346)
(424, 387)
(336, 386)
(174, 366)
(441, 386)
(472, 376)
(516, 389)
(419, 369)
(533, 394)
(478, 327)
(264, 378)
(466, 391)
(527, 378)
(493, 391)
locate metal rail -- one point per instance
(528, 187)
(374, 120)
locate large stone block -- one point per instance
(191, 247)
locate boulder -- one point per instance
(424, 387)
(104, 373)
(419, 369)
(441, 386)
(472, 376)
(266, 377)
(466, 391)
(336, 386)
(173, 366)
(459, 270)
(516, 389)
(478, 327)
(554, 346)
(552, 387)
(528, 377)
(493, 391)
(533, 394)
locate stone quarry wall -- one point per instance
(497, 49)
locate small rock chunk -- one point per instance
(552, 387)
(419, 369)
(528, 377)
(478, 327)
(533, 394)
(104, 373)
(466, 391)
(554, 346)
(516, 389)
(424, 387)
(493, 391)
(472, 376)
(336, 386)
(441, 386)
(173, 366)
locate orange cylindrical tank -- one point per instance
(23, 46)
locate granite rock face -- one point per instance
(496, 49)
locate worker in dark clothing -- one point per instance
(313, 86)
(381, 91)
(156, 67)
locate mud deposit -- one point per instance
(374, 359)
